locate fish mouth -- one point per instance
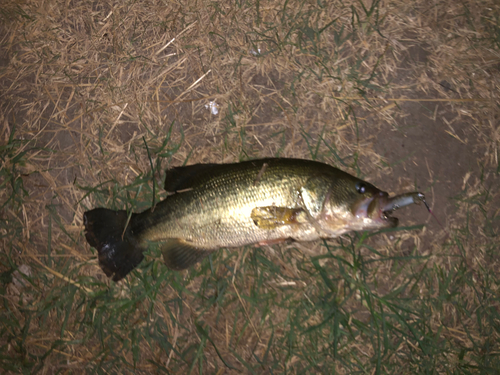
(380, 207)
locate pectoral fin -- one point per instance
(179, 255)
(271, 217)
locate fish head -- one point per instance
(356, 205)
(368, 208)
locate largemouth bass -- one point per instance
(230, 205)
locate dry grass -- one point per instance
(85, 85)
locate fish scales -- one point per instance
(216, 212)
(230, 205)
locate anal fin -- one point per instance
(179, 255)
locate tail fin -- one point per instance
(119, 251)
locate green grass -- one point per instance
(437, 318)
(362, 304)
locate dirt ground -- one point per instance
(406, 97)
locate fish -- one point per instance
(263, 202)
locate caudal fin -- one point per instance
(119, 252)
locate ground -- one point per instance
(98, 99)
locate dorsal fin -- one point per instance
(180, 178)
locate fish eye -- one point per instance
(361, 187)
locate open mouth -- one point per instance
(381, 206)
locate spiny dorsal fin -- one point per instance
(178, 255)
